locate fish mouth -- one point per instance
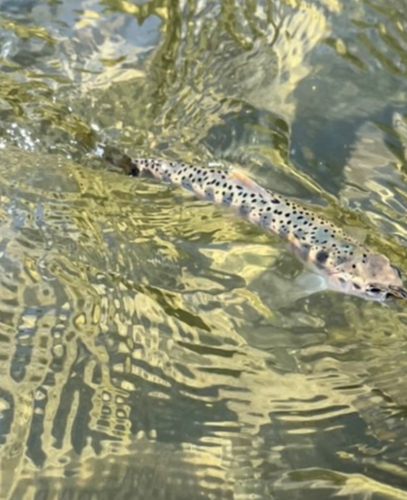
(396, 292)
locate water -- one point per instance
(151, 345)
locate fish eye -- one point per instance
(373, 289)
(398, 271)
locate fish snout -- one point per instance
(398, 292)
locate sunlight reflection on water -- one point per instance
(154, 346)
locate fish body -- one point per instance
(347, 265)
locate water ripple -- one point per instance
(154, 345)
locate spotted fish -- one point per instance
(347, 265)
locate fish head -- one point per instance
(370, 276)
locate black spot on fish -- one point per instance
(322, 257)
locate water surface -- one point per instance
(153, 346)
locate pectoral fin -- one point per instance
(309, 283)
(285, 292)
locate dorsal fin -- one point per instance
(245, 181)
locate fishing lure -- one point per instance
(346, 265)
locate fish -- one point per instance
(347, 265)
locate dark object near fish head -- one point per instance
(120, 160)
(397, 292)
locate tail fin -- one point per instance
(118, 159)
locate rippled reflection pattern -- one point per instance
(153, 346)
